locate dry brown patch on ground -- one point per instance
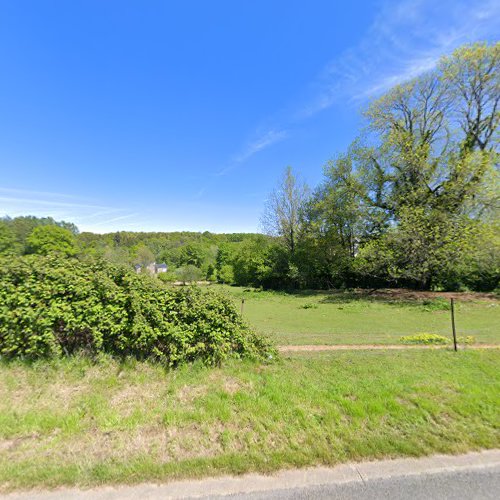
(28, 446)
(228, 383)
(132, 396)
(164, 444)
(57, 394)
(232, 385)
(188, 394)
(12, 444)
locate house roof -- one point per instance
(161, 265)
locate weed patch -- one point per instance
(309, 305)
(425, 339)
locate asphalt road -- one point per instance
(477, 484)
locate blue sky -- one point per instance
(180, 115)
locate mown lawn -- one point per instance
(77, 422)
(346, 318)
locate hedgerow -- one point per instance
(53, 306)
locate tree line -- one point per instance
(191, 255)
(414, 200)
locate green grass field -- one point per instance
(348, 318)
(79, 422)
(75, 422)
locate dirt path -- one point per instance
(358, 347)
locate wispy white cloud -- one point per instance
(99, 214)
(200, 193)
(406, 39)
(264, 141)
(49, 194)
(115, 219)
(408, 71)
(45, 203)
(85, 213)
(261, 142)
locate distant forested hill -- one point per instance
(229, 258)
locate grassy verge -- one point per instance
(345, 318)
(72, 422)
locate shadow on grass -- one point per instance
(399, 297)
(83, 360)
(381, 296)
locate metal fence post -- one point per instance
(452, 303)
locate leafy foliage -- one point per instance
(413, 201)
(51, 306)
(226, 274)
(437, 304)
(51, 239)
(309, 305)
(467, 340)
(425, 339)
(23, 226)
(189, 273)
(8, 244)
(434, 339)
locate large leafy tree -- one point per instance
(144, 256)
(223, 261)
(334, 224)
(434, 171)
(192, 255)
(45, 240)
(189, 274)
(413, 199)
(8, 243)
(435, 138)
(22, 226)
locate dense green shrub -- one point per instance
(51, 306)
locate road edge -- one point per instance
(356, 472)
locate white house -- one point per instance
(152, 268)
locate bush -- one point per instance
(425, 338)
(51, 306)
(168, 277)
(309, 305)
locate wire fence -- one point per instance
(322, 319)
